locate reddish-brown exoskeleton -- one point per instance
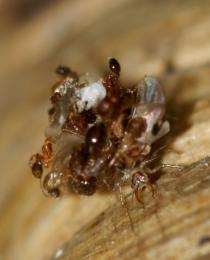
(99, 133)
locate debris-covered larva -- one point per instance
(99, 133)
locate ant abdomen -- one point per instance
(52, 183)
(114, 66)
(95, 138)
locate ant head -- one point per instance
(63, 70)
(114, 66)
(36, 164)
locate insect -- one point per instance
(99, 133)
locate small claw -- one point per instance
(137, 193)
(153, 189)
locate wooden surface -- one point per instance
(169, 39)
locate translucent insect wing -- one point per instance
(151, 92)
(150, 105)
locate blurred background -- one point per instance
(157, 37)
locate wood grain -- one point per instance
(167, 227)
(169, 39)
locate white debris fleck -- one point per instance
(59, 253)
(64, 86)
(90, 95)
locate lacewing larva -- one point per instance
(99, 133)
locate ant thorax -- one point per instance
(99, 133)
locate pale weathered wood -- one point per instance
(170, 226)
(169, 39)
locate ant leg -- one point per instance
(162, 166)
(153, 189)
(124, 204)
(153, 157)
(137, 193)
(168, 165)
